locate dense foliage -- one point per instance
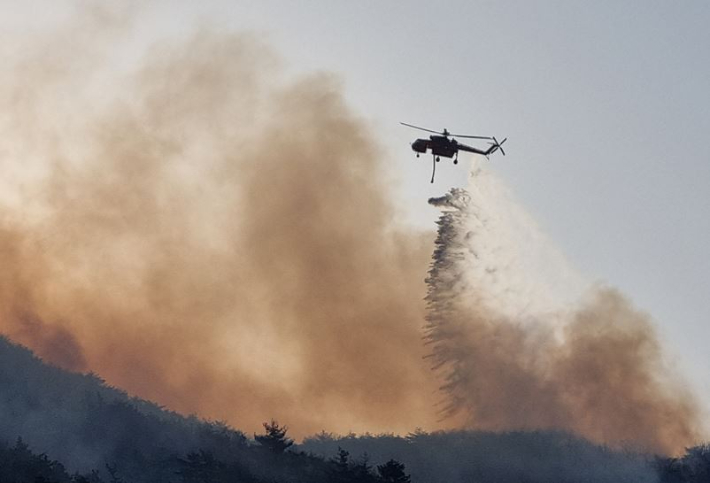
(465, 456)
(61, 427)
(693, 467)
(101, 431)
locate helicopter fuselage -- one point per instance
(439, 145)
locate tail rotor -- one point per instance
(497, 145)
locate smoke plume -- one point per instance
(595, 369)
(209, 234)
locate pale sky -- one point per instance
(606, 106)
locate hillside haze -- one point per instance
(84, 424)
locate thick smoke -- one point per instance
(206, 233)
(595, 369)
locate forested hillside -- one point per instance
(57, 426)
(82, 425)
(466, 456)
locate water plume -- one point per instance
(594, 368)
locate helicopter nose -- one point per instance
(419, 146)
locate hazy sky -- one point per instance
(606, 106)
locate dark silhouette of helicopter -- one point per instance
(444, 144)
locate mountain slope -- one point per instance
(85, 425)
(464, 456)
(80, 421)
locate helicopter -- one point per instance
(444, 144)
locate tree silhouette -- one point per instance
(393, 472)
(340, 467)
(274, 439)
(200, 467)
(342, 460)
(362, 471)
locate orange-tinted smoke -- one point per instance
(603, 377)
(206, 234)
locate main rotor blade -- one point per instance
(469, 137)
(445, 133)
(421, 128)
